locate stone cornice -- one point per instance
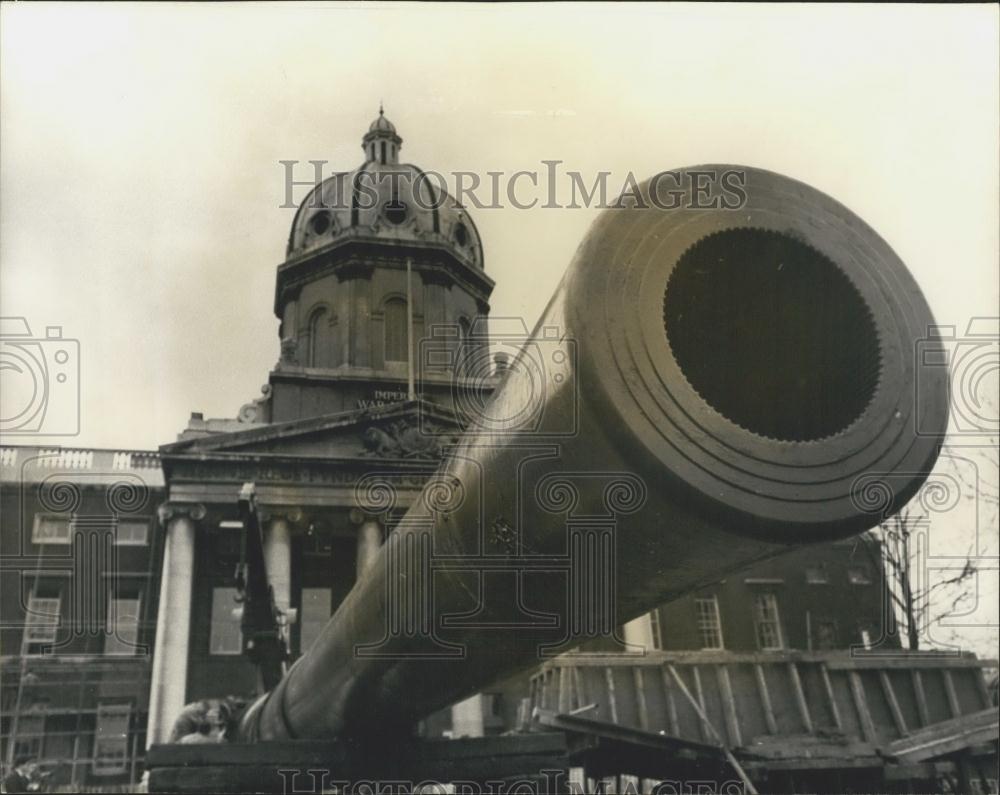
(354, 256)
(430, 378)
(262, 469)
(420, 410)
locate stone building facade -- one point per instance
(383, 302)
(814, 598)
(80, 548)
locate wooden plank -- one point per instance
(918, 691)
(699, 707)
(729, 705)
(917, 660)
(831, 697)
(706, 729)
(801, 765)
(861, 705)
(582, 731)
(836, 660)
(640, 698)
(947, 737)
(918, 770)
(609, 678)
(949, 689)
(765, 699)
(668, 694)
(302, 753)
(800, 697)
(810, 747)
(984, 694)
(890, 697)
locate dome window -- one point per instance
(321, 223)
(395, 212)
(461, 235)
(395, 341)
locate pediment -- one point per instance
(414, 430)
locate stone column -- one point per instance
(369, 543)
(639, 634)
(278, 559)
(467, 717)
(168, 685)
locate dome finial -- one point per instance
(381, 111)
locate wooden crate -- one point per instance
(754, 698)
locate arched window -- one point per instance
(395, 330)
(320, 339)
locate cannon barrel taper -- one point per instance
(713, 380)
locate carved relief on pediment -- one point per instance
(402, 439)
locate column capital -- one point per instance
(359, 516)
(271, 513)
(172, 509)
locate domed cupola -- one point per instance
(377, 258)
(388, 201)
(381, 144)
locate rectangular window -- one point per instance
(50, 529)
(313, 616)
(122, 626)
(225, 636)
(396, 333)
(767, 622)
(42, 620)
(111, 739)
(132, 533)
(816, 575)
(859, 575)
(30, 738)
(709, 623)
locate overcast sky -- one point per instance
(140, 146)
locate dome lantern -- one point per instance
(381, 144)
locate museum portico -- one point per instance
(382, 307)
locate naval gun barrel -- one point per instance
(728, 367)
